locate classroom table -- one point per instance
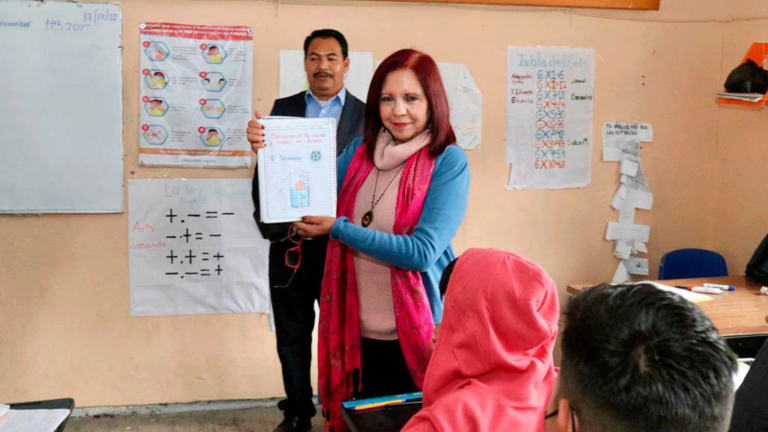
(738, 315)
(68, 404)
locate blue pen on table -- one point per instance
(722, 287)
(703, 290)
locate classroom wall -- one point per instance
(742, 154)
(65, 324)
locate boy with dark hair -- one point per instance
(636, 358)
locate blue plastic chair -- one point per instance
(692, 263)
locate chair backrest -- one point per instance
(692, 263)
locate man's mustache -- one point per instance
(322, 74)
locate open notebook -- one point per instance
(297, 169)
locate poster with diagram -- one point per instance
(549, 117)
(193, 248)
(195, 98)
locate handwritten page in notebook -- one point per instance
(297, 169)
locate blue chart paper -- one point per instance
(297, 169)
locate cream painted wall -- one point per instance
(65, 324)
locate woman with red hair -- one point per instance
(403, 192)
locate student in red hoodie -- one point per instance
(492, 367)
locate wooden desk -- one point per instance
(735, 314)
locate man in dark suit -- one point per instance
(294, 292)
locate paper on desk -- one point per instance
(43, 420)
(627, 231)
(621, 274)
(741, 372)
(688, 295)
(637, 266)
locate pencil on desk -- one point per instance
(378, 404)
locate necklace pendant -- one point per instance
(367, 219)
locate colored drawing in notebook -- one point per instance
(299, 190)
(297, 169)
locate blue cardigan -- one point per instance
(428, 250)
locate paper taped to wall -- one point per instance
(194, 248)
(627, 231)
(637, 266)
(466, 104)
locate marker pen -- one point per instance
(698, 289)
(707, 290)
(722, 287)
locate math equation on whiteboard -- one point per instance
(90, 17)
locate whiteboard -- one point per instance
(61, 111)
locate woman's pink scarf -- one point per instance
(339, 329)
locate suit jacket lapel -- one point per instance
(345, 123)
(298, 107)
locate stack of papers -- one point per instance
(747, 97)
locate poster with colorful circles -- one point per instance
(195, 98)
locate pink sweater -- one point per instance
(374, 285)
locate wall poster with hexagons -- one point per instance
(195, 98)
